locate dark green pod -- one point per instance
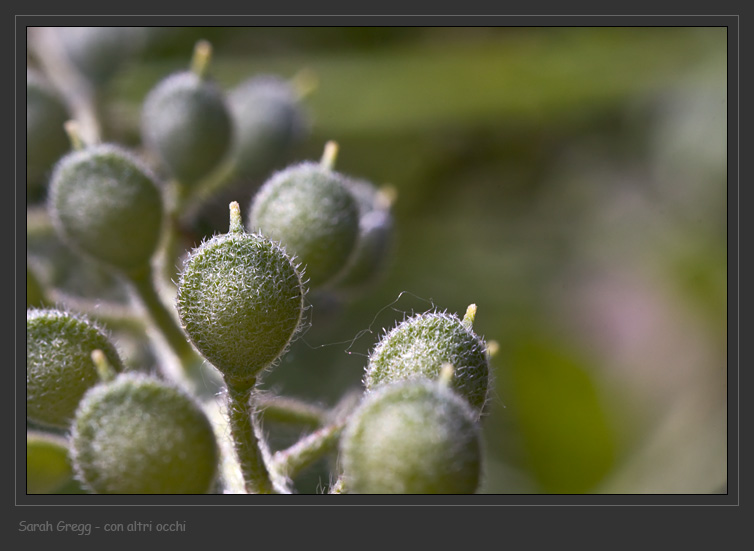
(268, 121)
(138, 435)
(421, 345)
(46, 140)
(106, 204)
(308, 208)
(240, 301)
(185, 120)
(412, 437)
(375, 236)
(59, 365)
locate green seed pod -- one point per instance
(240, 301)
(106, 204)
(421, 345)
(138, 435)
(59, 365)
(185, 121)
(46, 140)
(98, 53)
(268, 122)
(308, 208)
(412, 437)
(375, 234)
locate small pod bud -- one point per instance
(412, 437)
(98, 53)
(185, 121)
(308, 208)
(59, 365)
(240, 301)
(106, 204)
(268, 121)
(421, 345)
(138, 435)
(375, 235)
(46, 140)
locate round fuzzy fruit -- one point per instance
(308, 208)
(185, 121)
(106, 204)
(375, 234)
(421, 345)
(240, 301)
(268, 121)
(59, 365)
(137, 435)
(412, 437)
(46, 140)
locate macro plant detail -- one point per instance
(283, 234)
(205, 317)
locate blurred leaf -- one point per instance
(47, 467)
(568, 443)
(490, 79)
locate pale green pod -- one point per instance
(106, 204)
(412, 437)
(420, 346)
(310, 211)
(59, 365)
(240, 301)
(139, 435)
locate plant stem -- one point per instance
(143, 286)
(255, 474)
(290, 461)
(283, 409)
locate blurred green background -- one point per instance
(569, 181)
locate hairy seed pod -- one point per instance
(268, 122)
(308, 208)
(240, 301)
(412, 437)
(375, 234)
(421, 345)
(98, 53)
(138, 435)
(185, 120)
(106, 204)
(59, 365)
(46, 141)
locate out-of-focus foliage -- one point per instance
(569, 181)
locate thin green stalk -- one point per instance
(255, 474)
(142, 285)
(291, 461)
(283, 409)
